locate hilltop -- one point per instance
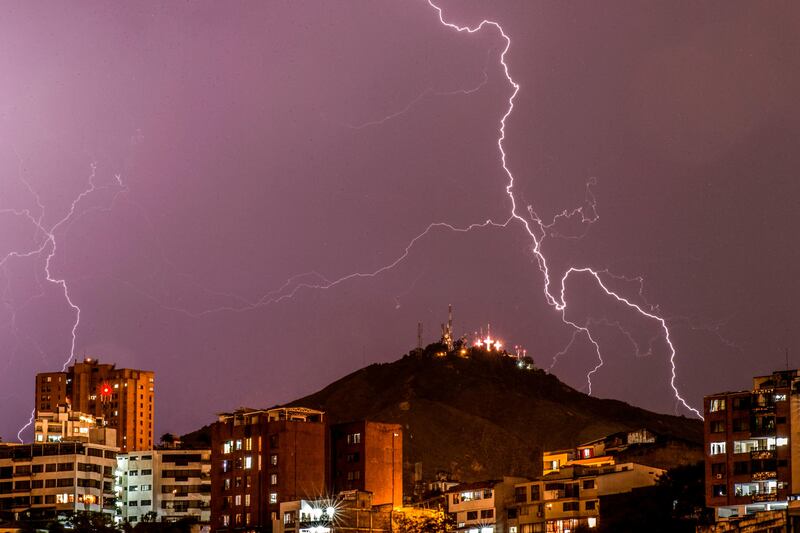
(479, 415)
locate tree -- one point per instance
(424, 521)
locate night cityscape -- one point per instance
(416, 266)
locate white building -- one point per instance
(64, 424)
(169, 483)
(49, 481)
(481, 507)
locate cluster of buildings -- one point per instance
(289, 470)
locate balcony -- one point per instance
(762, 476)
(764, 497)
(762, 454)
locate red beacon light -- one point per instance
(105, 389)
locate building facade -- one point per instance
(123, 397)
(350, 511)
(569, 498)
(47, 481)
(165, 484)
(65, 425)
(368, 456)
(752, 463)
(261, 458)
(481, 507)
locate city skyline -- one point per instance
(230, 151)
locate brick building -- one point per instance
(368, 456)
(123, 397)
(749, 448)
(261, 458)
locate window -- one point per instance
(717, 448)
(472, 515)
(133, 473)
(717, 404)
(226, 484)
(718, 469)
(781, 441)
(741, 424)
(247, 500)
(591, 505)
(741, 468)
(147, 472)
(487, 513)
(273, 441)
(146, 487)
(248, 462)
(353, 438)
(237, 500)
(718, 490)
(273, 497)
(742, 403)
(288, 517)
(133, 503)
(588, 484)
(239, 444)
(520, 494)
(780, 397)
(248, 443)
(273, 479)
(146, 502)
(273, 459)
(133, 488)
(352, 457)
(571, 506)
(227, 446)
(717, 426)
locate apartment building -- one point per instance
(481, 507)
(123, 397)
(752, 463)
(261, 458)
(65, 425)
(48, 481)
(569, 498)
(368, 456)
(165, 484)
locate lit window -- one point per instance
(227, 446)
(717, 404)
(238, 499)
(247, 500)
(353, 438)
(273, 479)
(781, 441)
(248, 443)
(273, 460)
(248, 462)
(239, 444)
(717, 448)
(273, 497)
(780, 398)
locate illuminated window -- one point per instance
(781, 441)
(273, 459)
(248, 462)
(353, 438)
(239, 444)
(227, 446)
(247, 500)
(591, 505)
(273, 479)
(717, 404)
(780, 397)
(717, 448)
(273, 497)
(248, 443)
(238, 499)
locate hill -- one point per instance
(480, 416)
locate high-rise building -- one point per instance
(368, 456)
(261, 458)
(123, 397)
(752, 454)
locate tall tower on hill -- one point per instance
(123, 397)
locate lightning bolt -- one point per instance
(558, 300)
(48, 246)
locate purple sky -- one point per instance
(251, 146)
